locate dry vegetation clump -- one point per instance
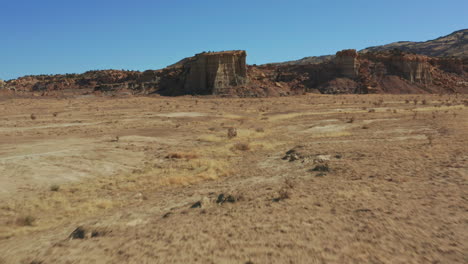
(226, 198)
(322, 167)
(241, 146)
(283, 194)
(379, 102)
(54, 188)
(181, 155)
(285, 191)
(27, 220)
(33, 117)
(232, 132)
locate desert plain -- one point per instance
(301, 179)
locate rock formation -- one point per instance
(414, 68)
(226, 74)
(373, 72)
(347, 63)
(216, 72)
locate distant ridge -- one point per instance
(455, 44)
(306, 60)
(452, 45)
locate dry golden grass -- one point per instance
(199, 150)
(182, 155)
(181, 168)
(211, 138)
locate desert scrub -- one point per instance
(27, 220)
(54, 188)
(241, 146)
(182, 155)
(323, 167)
(232, 132)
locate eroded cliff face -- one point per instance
(374, 72)
(347, 63)
(216, 72)
(414, 68)
(226, 74)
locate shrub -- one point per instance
(181, 155)
(27, 220)
(232, 132)
(242, 146)
(283, 194)
(323, 167)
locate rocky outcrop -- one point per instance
(414, 68)
(347, 63)
(339, 86)
(226, 74)
(453, 65)
(374, 72)
(216, 72)
(2, 84)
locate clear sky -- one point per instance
(73, 36)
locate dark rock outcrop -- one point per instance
(347, 63)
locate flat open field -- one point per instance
(307, 179)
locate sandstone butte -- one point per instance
(226, 73)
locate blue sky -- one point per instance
(70, 36)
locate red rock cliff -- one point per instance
(348, 63)
(216, 72)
